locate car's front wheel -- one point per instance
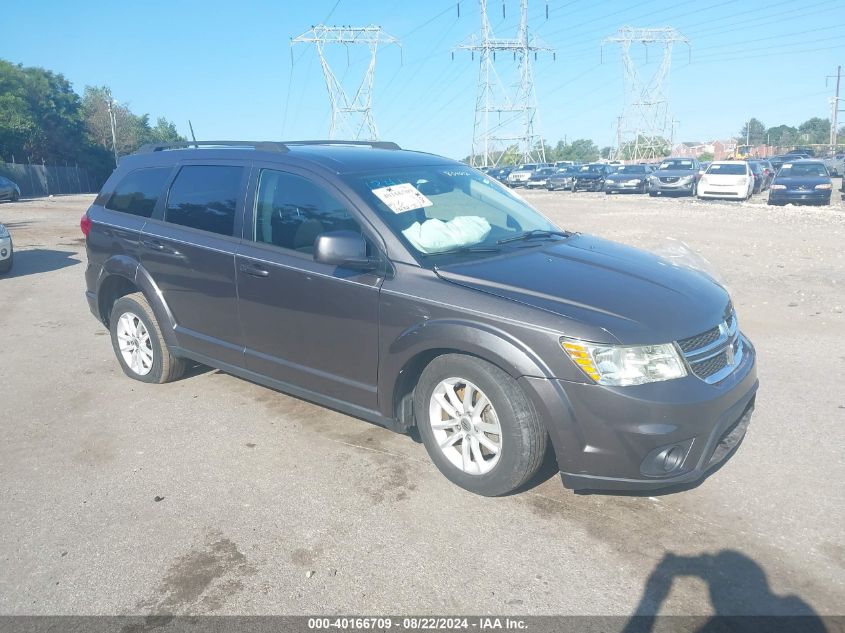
(477, 424)
(138, 343)
(6, 264)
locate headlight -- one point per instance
(633, 181)
(685, 178)
(778, 187)
(824, 186)
(618, 366)
(4, 232)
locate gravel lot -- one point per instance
(260, 489)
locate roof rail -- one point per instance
(373, 144)
(266, 146)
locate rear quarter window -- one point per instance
(139, 191)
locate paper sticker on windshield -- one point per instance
(402, 198)
(787, 165)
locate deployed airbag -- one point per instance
(434, 236)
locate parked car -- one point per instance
(778, 161)
(803, 181)
(727, 179)
(562, 178)
(411, 290)
(800, 153)
(768, 171)
(758, 175)
(519, 176)
(7, 250)
(540, 178)
(560, 164)
(633, 178)
(835, 165)
(9, 190)
(676, 176)
(589, 177)
(500, 173)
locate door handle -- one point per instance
(153, 245)
(255, 271)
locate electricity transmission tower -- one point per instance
(350, 116)
(503, 118)
(646, 124)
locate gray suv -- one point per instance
(411, 290)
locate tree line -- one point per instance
(813, 131)
(43, 120)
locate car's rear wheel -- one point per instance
(138, 343)
(478, 427)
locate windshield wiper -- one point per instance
(533, 234)
(465, 249)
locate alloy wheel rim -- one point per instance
(134, 342)
(465, 426)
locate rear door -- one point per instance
(305, 323)
(188, 248)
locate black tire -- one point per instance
(6, 264)
(524, 439)
(652, 194)
(165, 366)
(14, 197)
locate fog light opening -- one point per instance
(3, 252)
(673, 458)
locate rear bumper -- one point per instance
(608, 438)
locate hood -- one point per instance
(673, 173)
(634, 296)
(589, 175)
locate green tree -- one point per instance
(628, 150)
(754, 130)
(606, 152)
(814, 130)
(782, 135)
(582, 150)
(706, 156)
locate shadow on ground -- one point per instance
(739, 595)
(39, 260)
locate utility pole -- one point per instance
(834, 106)
(349, 116)
(514, 115)
(646, 121)
(113, 124)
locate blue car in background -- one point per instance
(801, 182)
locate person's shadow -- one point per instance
(739, 593)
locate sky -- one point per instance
(230, 69)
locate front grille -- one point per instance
(714, 353)
(706, 368)
(700, 340)
(669, 179)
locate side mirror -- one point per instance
(343, 248)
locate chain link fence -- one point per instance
(45, 180)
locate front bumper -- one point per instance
(588, 185)
(678, 187)
(5, 248)
(536, 184)
(620, 186)
(710, 191)
(784, 196)
(611, 438)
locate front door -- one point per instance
(306, 324)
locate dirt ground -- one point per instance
(216, 495)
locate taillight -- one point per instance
(85, 225)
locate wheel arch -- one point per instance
(410, 353)
(121, 276)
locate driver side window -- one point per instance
(291, 211)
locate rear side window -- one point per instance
(138, 192)
(205, 197)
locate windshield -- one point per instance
(528, 167)
(676, 164)
(435, 209)
(631, 169)
(727, 169)
(546, 171)
(793, 170)
(590, 168)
